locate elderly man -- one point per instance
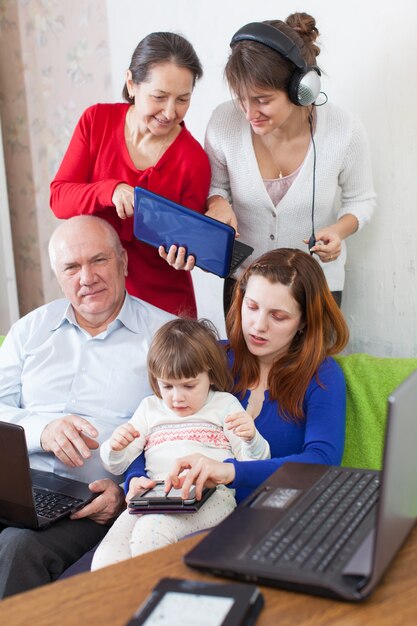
(70, 371)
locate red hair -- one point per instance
(325, 331)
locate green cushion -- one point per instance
(1, 339)
(369, 382)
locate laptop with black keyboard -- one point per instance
(32, 498)
(330, 531)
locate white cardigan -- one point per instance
(343, 183)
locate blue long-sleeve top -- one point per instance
(318, 438)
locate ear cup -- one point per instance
(304, 86)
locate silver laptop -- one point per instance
(32, 498)
(329, 531)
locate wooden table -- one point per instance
(110, 596)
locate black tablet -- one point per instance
(155, 500)
(176, 602)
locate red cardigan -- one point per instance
(96, 161)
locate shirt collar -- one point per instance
(126, 317)
(66, 317)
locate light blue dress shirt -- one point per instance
(50, 368)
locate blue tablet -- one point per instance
(159, 221)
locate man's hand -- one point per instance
(70, 438)
(105, 507)
(242, 425)
(136, 484)
(123, 436)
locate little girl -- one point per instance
(191, 411)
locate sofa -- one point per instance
(369, 382)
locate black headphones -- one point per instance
(304, 84)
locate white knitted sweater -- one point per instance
(343, 183)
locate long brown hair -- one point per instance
(324, 330)
(184, 348)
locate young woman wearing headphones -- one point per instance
(278, 159)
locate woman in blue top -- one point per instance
(283, 326)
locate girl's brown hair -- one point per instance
(184, 348)
(252, 65)
(324, 330)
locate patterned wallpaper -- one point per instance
(54, 62)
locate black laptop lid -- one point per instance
(16, 498)
(17, 481)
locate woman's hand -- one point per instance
(329, 239)
(202, 472)
(138, 483)
(220, 209)
(123, 200)
(242, 425)
(176, 258)
(123, 436)
(328, 245)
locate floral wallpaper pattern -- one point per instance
(54, 62)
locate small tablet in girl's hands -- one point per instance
(157, 493)
(176, 602)
(156, 500)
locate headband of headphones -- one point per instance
(304, 85)
(273, 38)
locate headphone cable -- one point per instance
(312, 240)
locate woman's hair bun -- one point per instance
(305, 25)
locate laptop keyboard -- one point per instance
(239, 253)
(238, 256)
(317, 537)
(52, 505)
